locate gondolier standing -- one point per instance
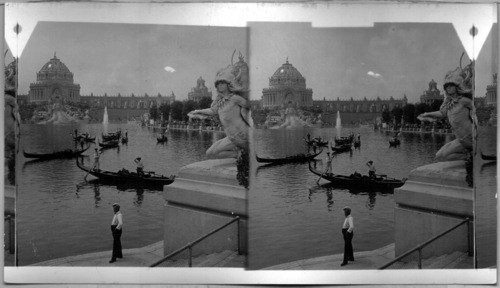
(348, 233)
(140, 166)
(96, 159)
(372, 170)
(116, 231)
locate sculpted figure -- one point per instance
(458, 107)
(11, 121)
(232, 107)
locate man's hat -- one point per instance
(116, 205)
(370, 161)
(347, 208)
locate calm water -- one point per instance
(59, 214)
(293, 218)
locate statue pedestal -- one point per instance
(433, 199)
(205, 196)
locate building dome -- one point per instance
(287, 75)
(55, 69)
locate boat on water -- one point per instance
(162, 139)
(125, 177)
(299, 158)
(109, 144)
(356, 180)
(318, 142)
(112, 136)
(344, 140)
(341, 148)
(68, 153)
(394, 142)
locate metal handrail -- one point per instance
(191, 244)
(422, 245)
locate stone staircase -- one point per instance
(455, 260)
(226, 258)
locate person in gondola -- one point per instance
(372, 170)
(315, 146)
(96, 159)
(116, 231)
(348, 234)
(308, 137)
(359, 138)
(140, 166)
(76, 132)
(126, 134)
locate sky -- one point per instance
(388, 59)
(381, 59)
(132, 58)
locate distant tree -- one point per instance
(176, 110)
(188, 106)
(419, 109)
(436, 104)
(154, 113)
(204, 102)
(386, 116)
(396, 114)
(409, 113)
(164, 110)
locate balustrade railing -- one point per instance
(190, 245)
(413, 258)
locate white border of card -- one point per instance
(238, 15)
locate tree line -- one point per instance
(178, 109)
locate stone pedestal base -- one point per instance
(433, 199)
(205, 196)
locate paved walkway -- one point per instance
(362, 260)
(145, 256)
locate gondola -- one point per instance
(109, 144)
(300, 158)
(112, 136)
(162, 139)
(130, 178)
(316, 141)
(68, 153)
(394, 142)
(344, 140)
(488, 157)
(356, 180)
(341, 148)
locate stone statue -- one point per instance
(232, 107)
(11, 121)
(458, 108)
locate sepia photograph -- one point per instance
(243, 143)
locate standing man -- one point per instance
(140, 166)
(372, 170)
(96, 159)
(116, 231)
(348, 233)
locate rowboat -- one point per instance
(68, 153)
(394, 142)
(344, 140)
(341, 148)
(300, 158)
(162, 139)
(109, 144)
(111, 136)
(356, 180)
(129, 178)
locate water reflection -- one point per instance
(138, 197)
(329, 188)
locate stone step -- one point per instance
(444, 260)
(211, 260)
(217, 259)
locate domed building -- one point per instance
(200, 91)
(54, 83)
(287, 88)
